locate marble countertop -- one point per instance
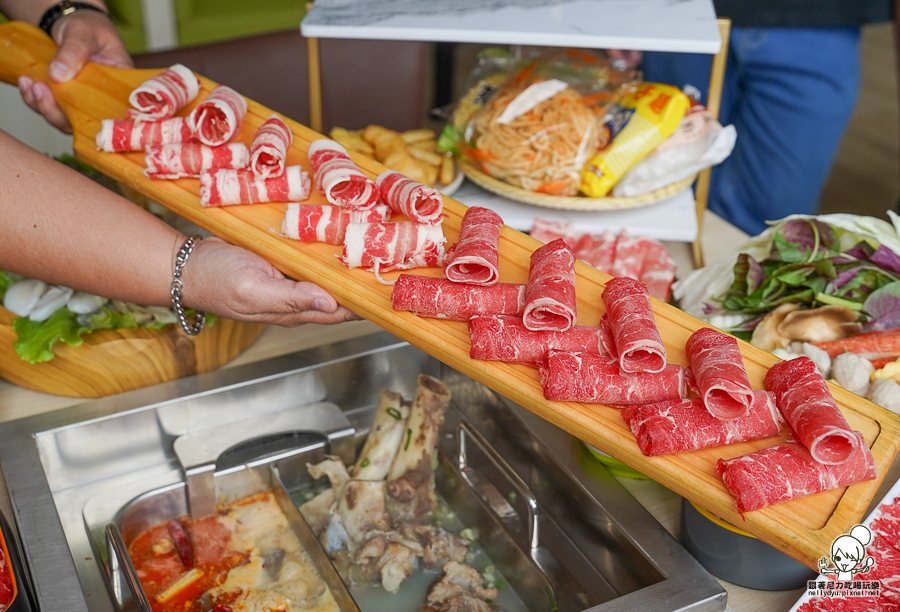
(648, 25)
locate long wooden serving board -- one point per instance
(803, 528)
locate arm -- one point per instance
(82, 36)
(63, 228)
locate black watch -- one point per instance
(61, 9)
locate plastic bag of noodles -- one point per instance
(536, 127)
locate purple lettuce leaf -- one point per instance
(807, 235)
(755, 275)
(883, 307)
(886, 259)
(860, 252)
(709, 309)
(845, 277)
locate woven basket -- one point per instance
(580, 203)
(468, 105)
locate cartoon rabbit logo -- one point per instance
(847, 554)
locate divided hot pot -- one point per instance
(560, 530)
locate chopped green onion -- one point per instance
(554, 607)
(408, 438)
(468, 533)
(394, 413)
(365, 462)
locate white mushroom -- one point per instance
(788, 322)
(820, 324)
(766, 335)
(23, 296)
(55, 298)
(886, 393)
(784, 354)
(85, 303)
(852, 372)
(819, 357)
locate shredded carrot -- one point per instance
(479, 155)
(559, 187)
(525, 73)
(594, 98)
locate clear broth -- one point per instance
(413, 591)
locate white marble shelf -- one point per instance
(673, 219)
(648, 25)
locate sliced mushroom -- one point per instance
(820, 324)
(766, 334)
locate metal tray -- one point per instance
(591, 531)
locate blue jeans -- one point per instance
(789, 93)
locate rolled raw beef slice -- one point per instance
(780, 473)
(810, 410)
(227, 187)
(550, 293)
(421, 203)
(659, 270)
(607, 340)
(382, 247)
(505, 338)
(679, 426)
(718, 368)
(164, 95)
(443, 299)
(630, 317)
(629, 256)
(338, 178)
(218, 118)
(190, 159)
(268, 151)
(326, 223)
(597, 250)
(475, 258)
(122, 135)
(580, 377)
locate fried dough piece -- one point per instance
(388, 145)
(373, 132)
(426, 156)
(448, 170)
(351, 140)
(416, 169)
(418, 135)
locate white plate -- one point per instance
(458, 179)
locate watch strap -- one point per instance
(61, 9)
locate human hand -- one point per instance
(624, 59)
(237, 284)
(82, 36)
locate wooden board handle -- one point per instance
(24, 50)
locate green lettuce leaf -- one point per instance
(36, 339)
(6, 279)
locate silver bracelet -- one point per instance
(178, 285)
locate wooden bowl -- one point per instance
(114, 361)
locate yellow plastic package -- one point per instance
(653, 113)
